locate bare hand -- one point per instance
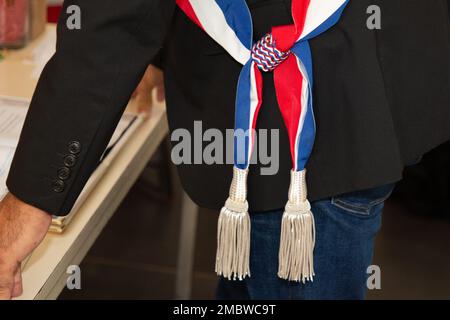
(153, 80)
(22, 228)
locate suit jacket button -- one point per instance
(58, 185)
(69, 161)
(74, 147)
(63, 173)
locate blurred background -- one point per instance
(135, 256)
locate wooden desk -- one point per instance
(44, 275)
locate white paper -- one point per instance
(123, 124)
(6, 156)
(12, 118)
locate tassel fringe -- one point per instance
(297, 241)
(233, 232)
(233, 239)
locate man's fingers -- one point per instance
(6, 285)
(152, 79)
(17, 289)
(145, 103)
(5, 294)
(160, 93)
(22, 229)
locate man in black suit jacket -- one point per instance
(381, 96)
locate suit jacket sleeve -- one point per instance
(448, 4)
(81, 96)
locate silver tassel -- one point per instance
(233, 231)
(297, 233)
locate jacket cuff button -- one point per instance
(69, 161)
(58, 186)
(63, 173)
(74, 147)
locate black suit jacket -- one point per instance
(382, 97)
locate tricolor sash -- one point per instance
(285, 52)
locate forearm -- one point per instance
(16, 219)
(81, 95)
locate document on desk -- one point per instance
(11, 122)
(13, 112)
(12, 116)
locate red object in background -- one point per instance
(13, 22)
(53, 12)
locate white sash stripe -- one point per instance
(213, 21)
(318, 12)
(305, 98)
(254, 101)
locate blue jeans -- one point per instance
(346, 226)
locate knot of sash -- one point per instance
(266, 55)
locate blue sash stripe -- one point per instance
(239, 19)
(306, 142)
(331, 21)
(242, 118)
